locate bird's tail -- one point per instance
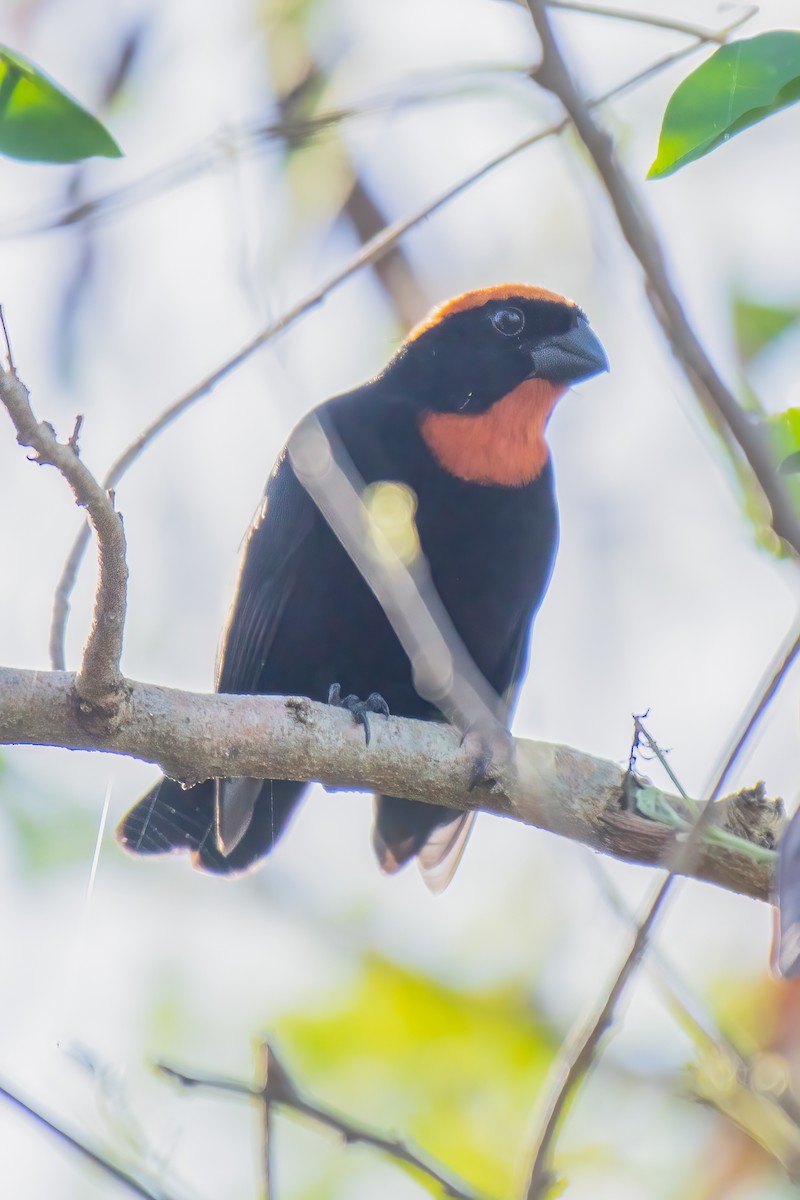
(170, 817)
(434, 835)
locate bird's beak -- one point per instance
(570, 357)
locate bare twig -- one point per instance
(370, 253)
(9, 363)
(638, 230)
(264, 1059)
(278, 1090)
(136, 1186)
(577, 1059)
(776, 1103)
(651, 19)
(192, 736)
(99, 684)
(247, 137)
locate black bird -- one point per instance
(458, 418)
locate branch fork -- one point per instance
(100, 691)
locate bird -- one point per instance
(456, 419)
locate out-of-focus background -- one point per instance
(436, 1018)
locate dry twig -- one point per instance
(136, 1186)
(276, 1089)
(645, 18)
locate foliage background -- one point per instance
(434, 1017)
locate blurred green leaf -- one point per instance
(757, 325)
(404, 1052)
(784, 432)
(40, 122)
(784, 429)
(49, 832)
(740, 84)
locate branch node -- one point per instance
(300, 708)
(101, 715)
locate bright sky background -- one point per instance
(661, 598)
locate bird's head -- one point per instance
(485, 371)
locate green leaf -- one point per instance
(784, 433)
(41, 123)
(740, 84)
(757, 325)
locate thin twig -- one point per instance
(74, 437)
(634, 221)
(193, 736)
(694, 1015)
(577, 1059)
(245, 138)
(777, 672)
(94, 1156)
(99, 684)
(9, 363)
(278, 1090)
(370, 253)
(640, 18)
(264, 1068)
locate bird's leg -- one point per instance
(374, 703)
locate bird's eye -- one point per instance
(508, 321)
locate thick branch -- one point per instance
(193, 736)
(640, 234)
(99, 683)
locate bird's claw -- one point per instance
(374, 703)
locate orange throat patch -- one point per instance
(504, 445)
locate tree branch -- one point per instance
(99, 685)
(639, 232)
(277, 1089)
(644, 18)
(193, 736)
(129, 1182)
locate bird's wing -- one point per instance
(285, 520)
(280, 529)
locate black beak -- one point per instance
(570, 357)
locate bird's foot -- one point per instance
(374, 703)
